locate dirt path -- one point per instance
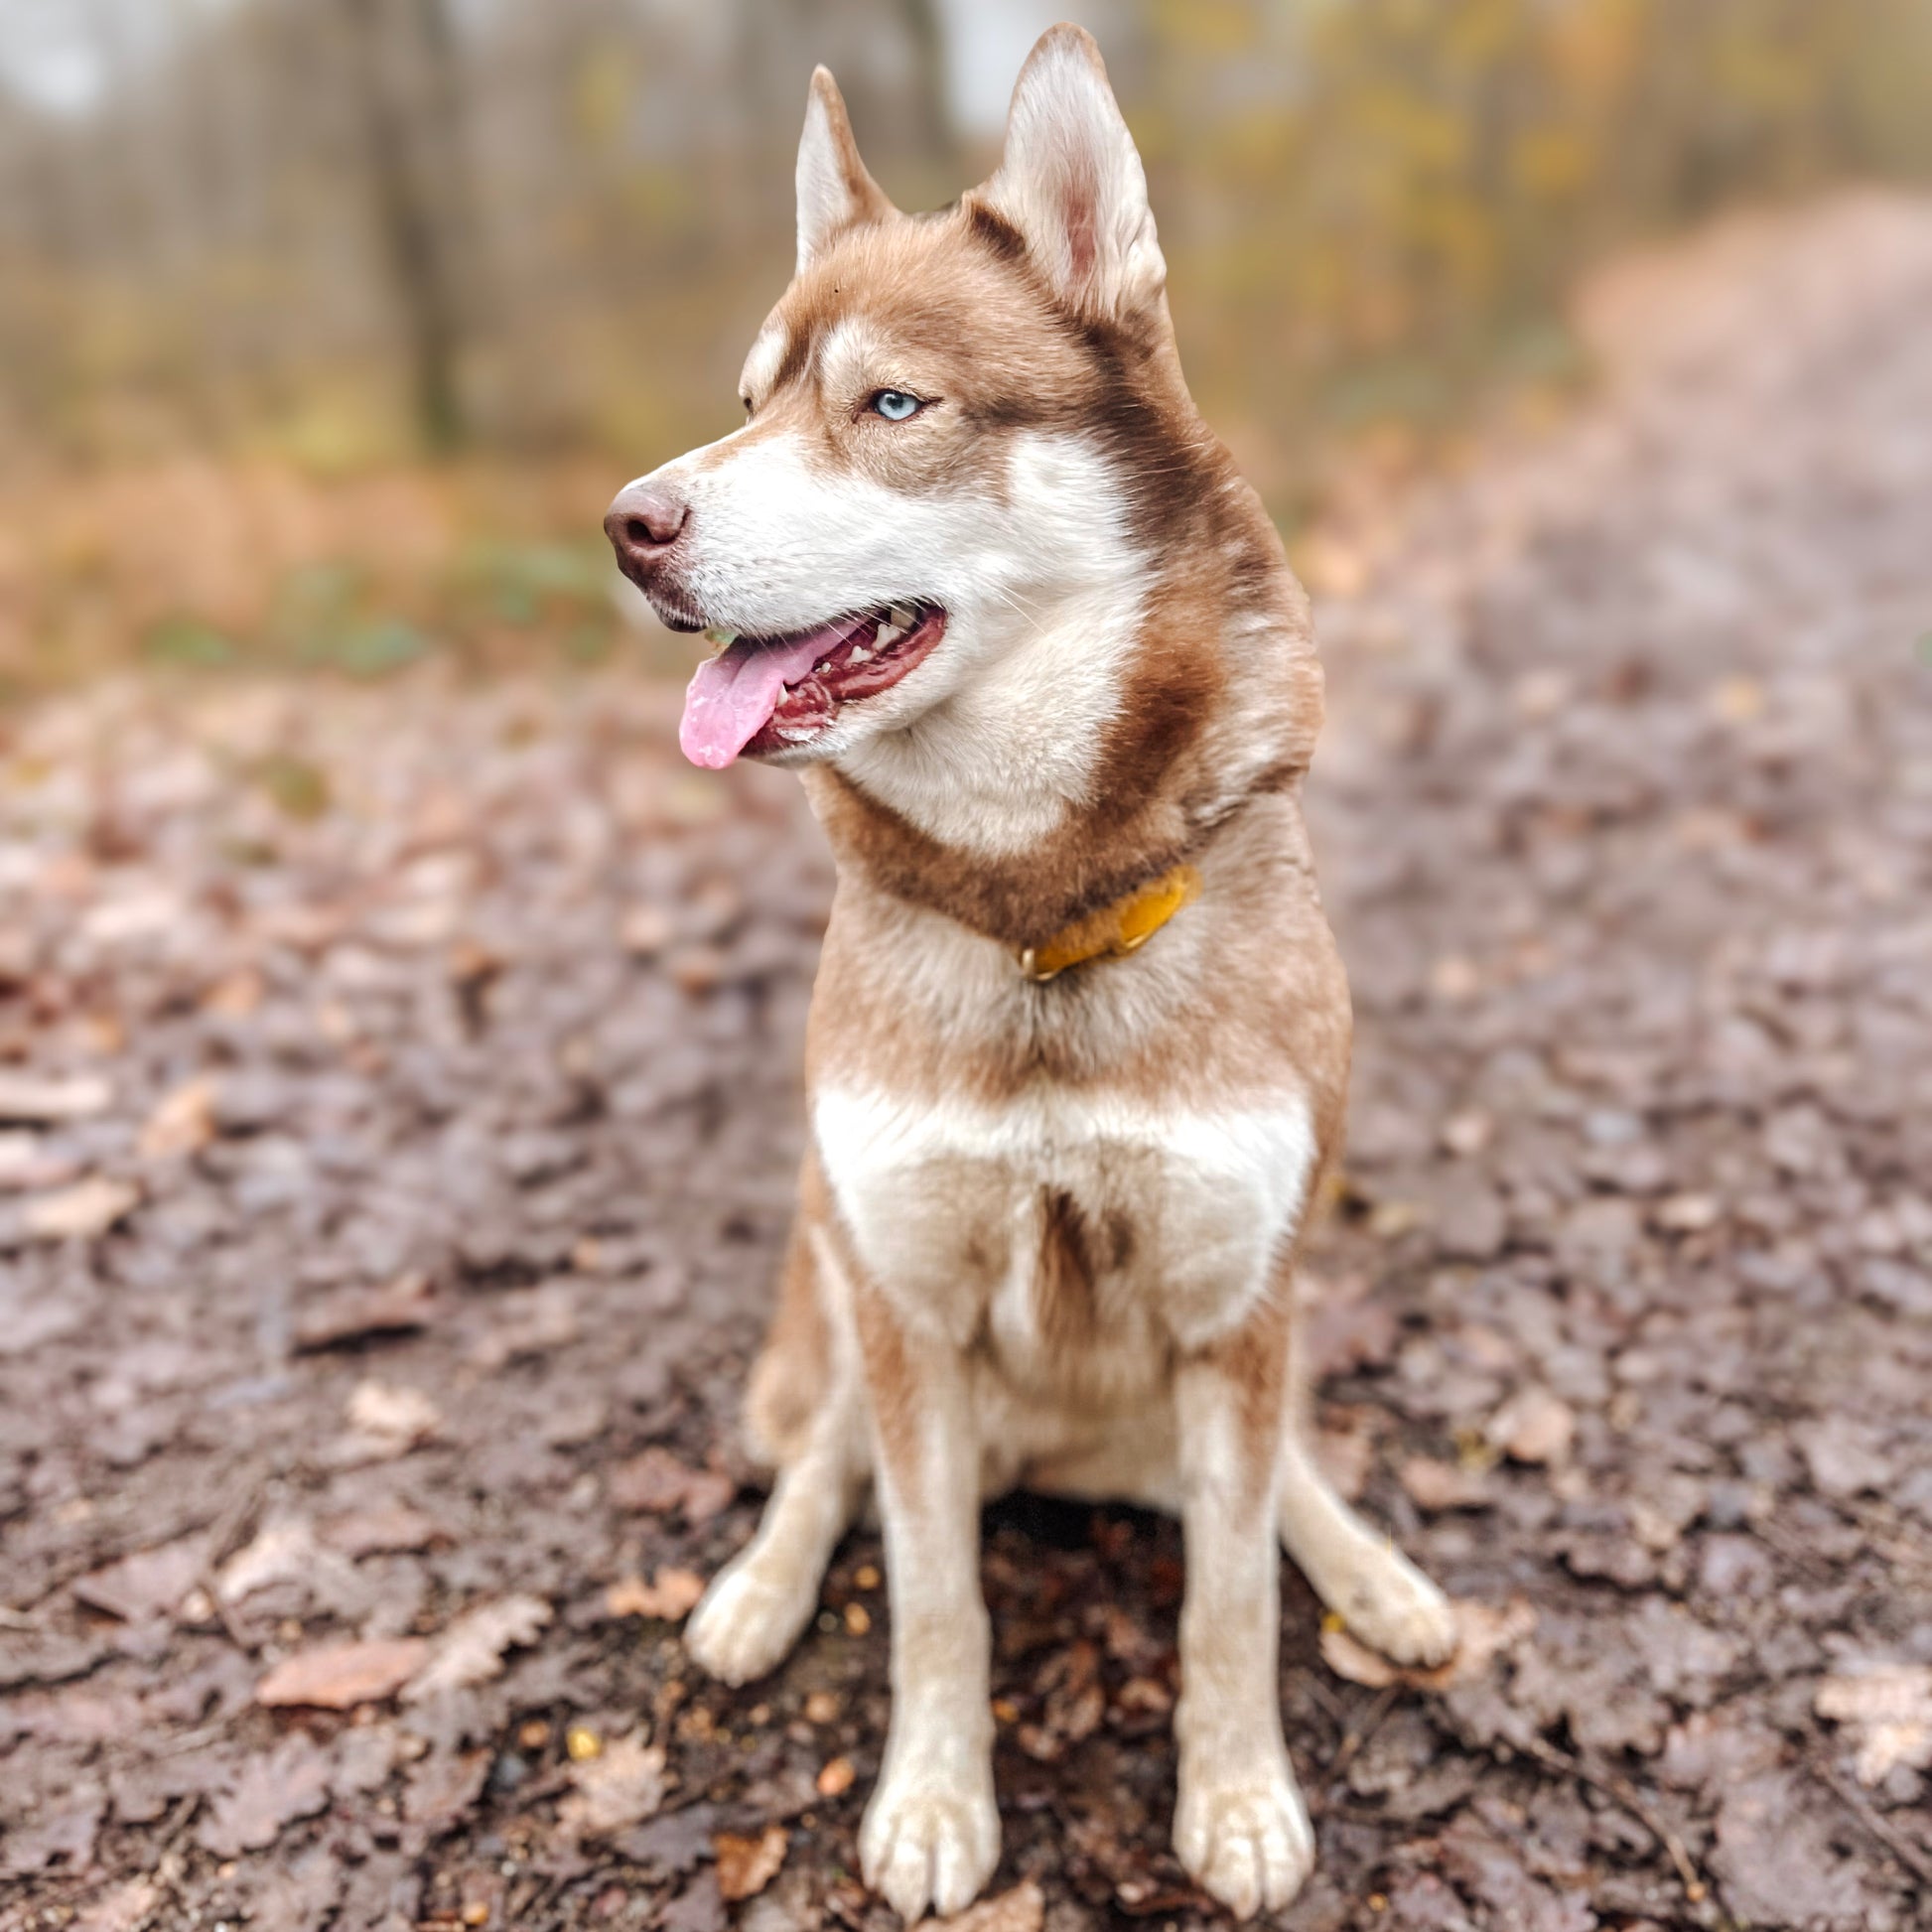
(397, 1103)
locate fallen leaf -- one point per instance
(835, 1777)
(697, 969)
(471, 1650)
(472, 963)
(270, 1790)
(1023, 1909)
(237, 997)
(1483, 1632)
(280, 1553)
(1534, 1425)
(1889, 1710)
(1687, 1213)
(643, 930)
(1776, 1853)
(398, 1308)
(302, 1892)
(1341, 1335)
(1469, 1131)
(40, 1101)
(146, 1583)
(393, 1415)
(26, 1166)
(1738, 700)
(1437, 1486)
(183, 1123)
(671, 1595)
(1076, 1699)
(123, 1908)
(80, 1212)
(1455, 979)
(1472, 1224)
(657, 1482)
(339, 1676)
(388, 1528)
(1845, 1457)
(697, 1909)
(365, 1755)
(61, 1832)
(622, 1785)
(1144, 1697)
(443, 1785)
(1490, 1870)
(745, 1866)
(1349, 1658)
(536, 1321)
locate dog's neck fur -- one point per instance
(1117, 737)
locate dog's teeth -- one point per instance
(901, 617)
(859, 655)
(720, 640)
(796, 732)
(819, 670)
(889, 634)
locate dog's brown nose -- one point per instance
(642, 524)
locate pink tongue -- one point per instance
(733, 695)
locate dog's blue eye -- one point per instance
(896, 405)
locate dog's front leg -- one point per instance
(931, 1834)
(1240, 1826)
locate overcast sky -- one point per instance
(51, 50)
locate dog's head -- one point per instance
(960, 429)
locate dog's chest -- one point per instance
(1082, 1236)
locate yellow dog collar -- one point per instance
(1121, 927)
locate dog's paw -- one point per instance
(1247, 1842)
(747, 1623)
(1394, 1609)
(930, 1845)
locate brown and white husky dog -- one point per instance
(999, 597)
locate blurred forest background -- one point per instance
(328, 326)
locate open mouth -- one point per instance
(777, 693)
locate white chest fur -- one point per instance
(1084, 1235)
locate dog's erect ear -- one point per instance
(1070, 180)
(834, 190)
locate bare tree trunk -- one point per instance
(413, 197)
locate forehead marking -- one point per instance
(768, 352)
(846, 355)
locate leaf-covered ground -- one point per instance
(398, 1101)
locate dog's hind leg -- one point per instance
(1357, 1570)
(808, 1411)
